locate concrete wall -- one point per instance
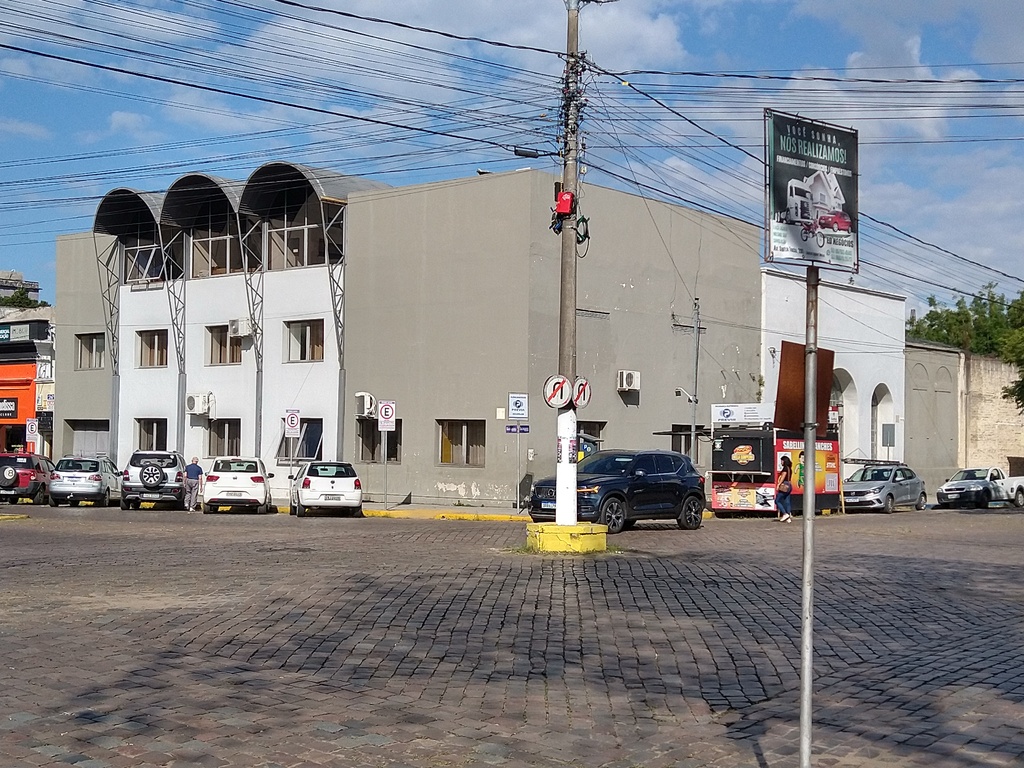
(79, 395)
(934, 412)
(994, 427)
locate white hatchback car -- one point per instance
(325, 485)
(238, 482)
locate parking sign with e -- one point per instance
(386, 416)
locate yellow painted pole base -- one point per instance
(578, 539)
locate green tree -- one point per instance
(21, 300)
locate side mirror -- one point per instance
(639, 473)
(290, 477)
(270, 474)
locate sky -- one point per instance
(97, 95)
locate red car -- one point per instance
(24, 476)
(835, 220)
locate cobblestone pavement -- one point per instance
(165, 639)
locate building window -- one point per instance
(91, 350)
(215, 247)
(153, 349)
(308, 445)
(295, 235)
(225, 437)
(462, 442)
(224, 349)
(371, 441)
(305, 340)
(152, 434)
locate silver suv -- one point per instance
(157, 476)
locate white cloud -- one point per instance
(22, 129)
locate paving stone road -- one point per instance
(164, 639)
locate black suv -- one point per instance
(617, 488)
(153, 476)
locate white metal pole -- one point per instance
(809, 502)
(519, 472)
(385, 457)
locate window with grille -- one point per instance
(462, 443)
(371, 441)
(225, 437)
(153, 349)
(305, 340)
(91, 350)
(224, 349)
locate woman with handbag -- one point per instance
(784, 490)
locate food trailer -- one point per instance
(746, 458)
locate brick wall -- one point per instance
(995, 427)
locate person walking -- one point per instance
(784, 491)
(193, 485)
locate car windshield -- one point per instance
(871, 475)
(606, 464)
(235, 465)
(331, 470)
(78, 465)
(970, 474)
(159, 459)
(15, 461)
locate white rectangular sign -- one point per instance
(292, 424)
(386, 415)
(518, 406)
(743, 413)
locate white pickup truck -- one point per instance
(979, 487)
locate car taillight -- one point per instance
(702, 481)
(212, 478)
(125, 476)
(305, 482)
(96, 478)
(54, 476)
(358, 484)
(257, 478)
(179, 478)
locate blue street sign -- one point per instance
(524, 428)
(512, 428)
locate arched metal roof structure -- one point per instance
(125, 211)
(267, 180)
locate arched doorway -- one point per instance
(883, 424)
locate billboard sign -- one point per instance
(812, 201)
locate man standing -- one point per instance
(193, 485)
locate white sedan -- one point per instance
(325, 485)
(238, 482)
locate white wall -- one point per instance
(864, 328)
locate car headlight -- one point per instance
(974, 486)
(588, 489)
(876, 489)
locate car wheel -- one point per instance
(358, 511)
(890, 505)
(835, 227)
(691, 514)
(8, 477)
(40, 498)
(125, 504)
(300, 509)
(73, 503)
(151, 476)
(922, 501)
(263, 509)
(985, 501)
(613, 514)
(53, 502)
(291, 509)
(1018, 498)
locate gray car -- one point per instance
(83, 478)
(884, 487)
(157, 476)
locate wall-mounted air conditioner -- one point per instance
(240, 327)
(366, 405)
(197, 403)
(628, 381)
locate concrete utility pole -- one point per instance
(565, 472)
(696, 363)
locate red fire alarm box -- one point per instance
(564, 203)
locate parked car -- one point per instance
(157, 476)
(83, 478)
(24, 476)
(325, 485)
(979, 487)
(238, 482)
(884, 487)
(617, 488)
(836, 221)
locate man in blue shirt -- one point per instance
(193, 484)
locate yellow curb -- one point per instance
(13, 517)
(432, 514)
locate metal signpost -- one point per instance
(518, 410)
(385, 423)
(292, 430)
(31, 434)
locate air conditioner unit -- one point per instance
(197, 403)
(366, 405)
(629, 381)
(240, 327)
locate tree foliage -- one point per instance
(988, 325)
(21, 300)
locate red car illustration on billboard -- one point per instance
(836, 221)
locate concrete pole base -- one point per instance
(577, 539)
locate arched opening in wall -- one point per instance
(844, 396)
(883, 424)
